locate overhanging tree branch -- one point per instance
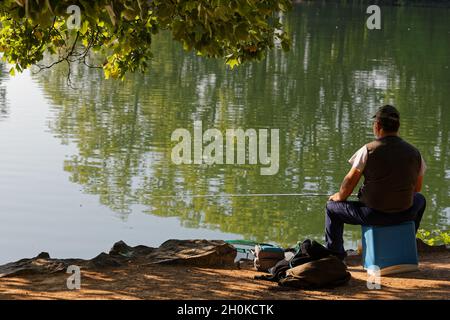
(121, 31)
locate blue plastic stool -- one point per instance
(390, 249)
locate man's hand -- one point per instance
(336, 197)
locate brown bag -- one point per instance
(326, 272)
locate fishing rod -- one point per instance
(229, 195)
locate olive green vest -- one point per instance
(390, 174)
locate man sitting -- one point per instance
(393, 173)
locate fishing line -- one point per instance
(247, 195)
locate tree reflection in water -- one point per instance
(320, 95)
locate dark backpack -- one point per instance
(309, 250)
(323, 273)
(305, 252)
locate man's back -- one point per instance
(390, 174)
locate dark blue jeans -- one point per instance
(356, 213)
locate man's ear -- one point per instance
(377, 125)
(376, 128)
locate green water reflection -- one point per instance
(320, 95)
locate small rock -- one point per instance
(120, 248)
(43, 255)
(104, 260)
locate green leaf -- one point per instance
(84, 27)
(233, 62)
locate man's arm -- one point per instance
(422, 170)
(419, 184)
(347, 186)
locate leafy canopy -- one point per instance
(121, 31)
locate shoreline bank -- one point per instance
(202, 270)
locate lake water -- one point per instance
(83, 168)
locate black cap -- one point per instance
(387, 112)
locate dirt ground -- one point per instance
(180, 282)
